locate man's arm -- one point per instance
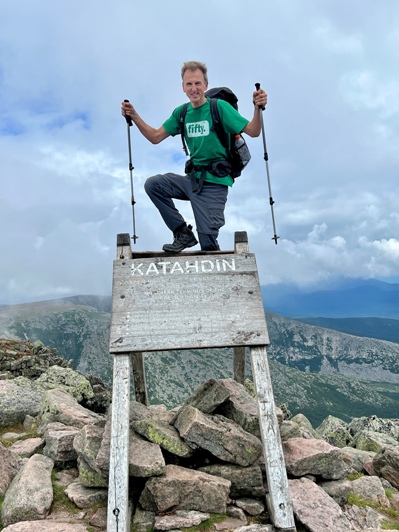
(254, 127)
(155, 136)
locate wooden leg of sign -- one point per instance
(140, 387)
(239, 364)
(118, 518)
(279, 498)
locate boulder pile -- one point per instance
(199, 463)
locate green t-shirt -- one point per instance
(203, 143)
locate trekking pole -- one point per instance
(131, 168)
(266, 157)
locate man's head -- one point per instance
(194, 65)
(195, 81)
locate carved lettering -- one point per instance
(186, 267)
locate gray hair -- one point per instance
(194, 65)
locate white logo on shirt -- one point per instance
(198, 129)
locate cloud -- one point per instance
(331, 128)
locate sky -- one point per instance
(331, 72)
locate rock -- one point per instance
(138, 411)
(229, 524)
(66, 379)
(386, 465)
(389, 427)
(335, 431)
(85, 497)
(99, 518)
(102, 458)
(289, 429)
(364, 519)
(315, 509)
(89, 476)
(208, 396)
(59, 442)
(164, 435)
(339, 490)
(143, 520)
(368, 440)
(87, 444)
(45, 526)
(59, 406)
(370, 489)
(237, 513)
(30, 494)
(18, 397)
(185, 489)
(240, 407)
(314, 457)
(180, 519)
(27, 448)
(303, 422)
(145, 458)
(251, 506)
(255, 528)
(355, 458)
(245, 481)
(8, 469)
(218, 435)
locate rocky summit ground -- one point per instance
(197, 465)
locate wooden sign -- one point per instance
(186, 302)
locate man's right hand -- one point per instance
(127, 109)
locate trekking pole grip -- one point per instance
(257, 86)
(128, 119)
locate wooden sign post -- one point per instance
(182, 301)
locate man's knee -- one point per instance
(151, 183)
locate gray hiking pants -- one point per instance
(208, 205)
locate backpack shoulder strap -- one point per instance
(217, 124)
(183, 113)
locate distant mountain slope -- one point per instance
(357, 298)
(74, 326)
(318, 350)
(314, 370)
(379, 328)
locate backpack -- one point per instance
(237, 150)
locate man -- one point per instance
(206, 191)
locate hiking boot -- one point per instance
(183, 238)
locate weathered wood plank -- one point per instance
(162, 304)
(140, 386)
(240, 246)
(165, 254)
(118, 518)
(239, 364)
(123, 246)
(279, 499)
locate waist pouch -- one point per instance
(221, 168)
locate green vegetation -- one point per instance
(59, 497)
(386, 525)
(1, 504)
(17, 429)
(355, 476)
(356, 500)
(208, 524)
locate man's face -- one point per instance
(194, 86)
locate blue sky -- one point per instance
(331, 71)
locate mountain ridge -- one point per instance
(317, 371)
